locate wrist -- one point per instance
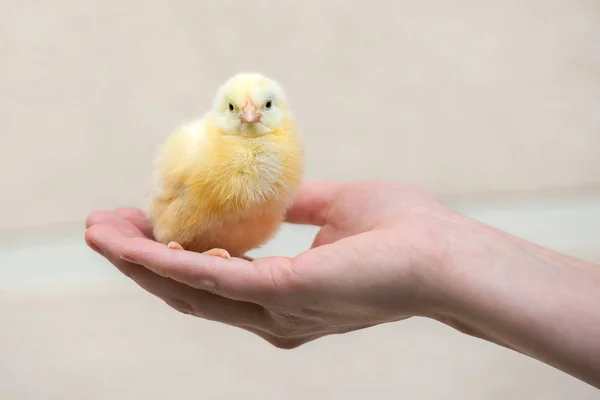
(508, 291)
(475, 260)
(489, 284)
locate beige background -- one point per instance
(474, 100)
(462, 97)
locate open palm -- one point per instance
(374, 240)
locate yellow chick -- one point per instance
(222, 184)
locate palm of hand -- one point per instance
(367, 248)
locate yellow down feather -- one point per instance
(220, 182)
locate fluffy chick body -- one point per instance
(223, 183)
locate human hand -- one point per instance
(384, 252)
(372, 262)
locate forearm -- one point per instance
(533, 300)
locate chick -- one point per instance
(222, 184)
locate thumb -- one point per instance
(313, 202)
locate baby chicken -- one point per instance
(223, 183)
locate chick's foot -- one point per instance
(218, 253)
(212, 252)
(174, 246)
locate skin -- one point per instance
(385, 252)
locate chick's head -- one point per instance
(250, 104)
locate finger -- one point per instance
(236, 278)
(97, 217)
(108, 218)
(198, 302)
(313, 202)
(106, 239)
(177, 295)
(112, 219)
(137, 218)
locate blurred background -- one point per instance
(494, 106)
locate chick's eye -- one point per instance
(231, 107)
(268, 104)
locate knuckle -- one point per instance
(181, 306)
(285, 344)
(281, 332)
(284, 326)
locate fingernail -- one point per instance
(129, 259)
(95, 247)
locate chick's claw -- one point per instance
(212, 252)
(174, 246)
(218, 253)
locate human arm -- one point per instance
(385, 252)
(527, 298)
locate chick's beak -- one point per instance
(249, 113)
